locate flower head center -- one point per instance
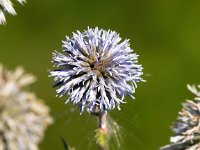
(99, 66)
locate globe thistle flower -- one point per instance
(6, 6)
(96, 70)
(187, 128)
(23, 117)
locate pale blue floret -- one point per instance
(96, 70)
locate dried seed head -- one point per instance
(187, 127)
(23, 117)
(6, 6)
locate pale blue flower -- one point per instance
(96, 70)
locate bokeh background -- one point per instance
(166, 35)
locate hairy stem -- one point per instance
(102, 132)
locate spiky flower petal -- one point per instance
(96, 70)
(6, 6)
(23, 117)
(187, 128)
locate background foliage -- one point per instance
(164, 33)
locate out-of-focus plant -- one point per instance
(96, 70)
(187, 127)
(23, 116)
(6, 6)
(66, 145)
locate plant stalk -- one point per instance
(103, 130)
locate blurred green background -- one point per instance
(166, 35)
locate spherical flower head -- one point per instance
(6, 6)
(23, 116)
(187, 127)
(96, 70)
